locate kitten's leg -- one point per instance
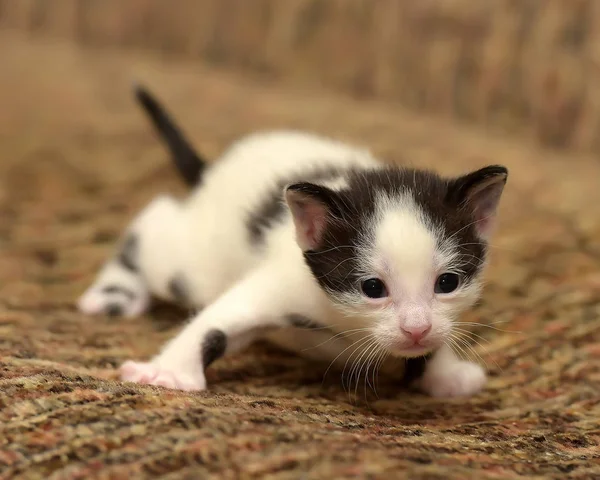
(142, 266)
(119, 288)
(448, 376)
(250, 309)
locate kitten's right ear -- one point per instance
(312, 206)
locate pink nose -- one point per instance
(417, 332)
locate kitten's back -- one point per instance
(226, 210)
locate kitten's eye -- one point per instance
(447, 283)
(374, 288)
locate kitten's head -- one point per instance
(401, 249)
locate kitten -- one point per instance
(312, 244)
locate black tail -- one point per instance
(187, 161)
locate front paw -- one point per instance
(458, 379)
(150, 373)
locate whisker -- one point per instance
(467, 332)
(487, 245)
(469, 349)
(384, 356)
(353, 331)
(497, 322)
(375, 362)
(343, 280)
(462, 355)
(368, 362)
(347, 377)
(450, 343)
(467, 226)
(359, 341)
(487, 352)
(357, 364)
(487, 325)
(337, 266)
(341, 353)
(465, 341)
(336, 247)
(366, 355)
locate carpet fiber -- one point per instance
(77, 159)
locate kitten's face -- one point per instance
(403, 251)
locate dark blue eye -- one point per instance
(374, 288)
(447, 283)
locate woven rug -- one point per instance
(77, 160)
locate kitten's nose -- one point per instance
(416, 332)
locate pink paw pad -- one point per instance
(152, 374)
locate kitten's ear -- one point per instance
(312, 206)
(480, 191)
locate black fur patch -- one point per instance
(179, 289)
(335, 263)
(114, 310)
(213, 346)
(186, 159)
(129, 253)
(300, 321)
(118, 289)
(414, 368)
(273, 208)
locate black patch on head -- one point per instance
(273, 207)
(178, 289)
(114, 310)
(120, 290)
(300, 321)
(335, 263)
(129, 253)
(213, 346)
(414, 368)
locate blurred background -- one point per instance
(448, 84)
(527, 67)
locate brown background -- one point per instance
(528, 67)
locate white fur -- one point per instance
(94, 301)
(247, 290)
(446, 376)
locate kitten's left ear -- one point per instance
(480, 191)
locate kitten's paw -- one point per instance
(458, 379)
(114, 300)
(153, 374)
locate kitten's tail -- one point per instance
(186, 159)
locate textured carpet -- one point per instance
(77, 159)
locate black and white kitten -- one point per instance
(312, 244)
